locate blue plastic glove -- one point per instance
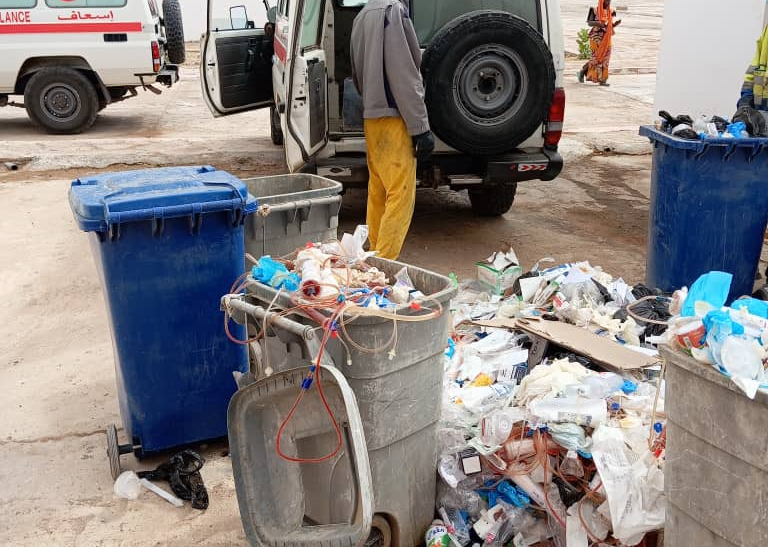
(753, 306)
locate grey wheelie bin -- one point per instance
(397, 395)
(293, 210)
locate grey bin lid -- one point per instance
(297, 187)
(290, 504)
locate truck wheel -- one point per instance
(61, 100)
(489, 80)
(174, 32)
(275, 129)
(493, 201)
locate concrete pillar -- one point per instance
(706, 46)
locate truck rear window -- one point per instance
(432, 15)
(86, 3)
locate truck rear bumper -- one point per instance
(168, 75)
(455, 170)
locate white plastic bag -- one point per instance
(634, 491)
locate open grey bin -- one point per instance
(277, 505)
(716, 474)
(399, 397)
(293, 210)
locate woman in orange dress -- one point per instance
(600, 37)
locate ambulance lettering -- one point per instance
(14, 17)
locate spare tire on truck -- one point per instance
(489, 79)
(174, 32)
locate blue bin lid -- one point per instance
(101, 201)
(655, 135)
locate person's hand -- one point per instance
(423, 146)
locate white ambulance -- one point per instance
(493, 73)
(69, 59)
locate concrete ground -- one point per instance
(56, 359)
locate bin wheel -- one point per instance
(381, 533)
(115, 450)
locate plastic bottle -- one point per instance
(437, 535)
(571, 465)
(700, 125)
(578, 410)
(496, 427)
(601, 385)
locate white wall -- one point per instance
(706, 47)
(193, 12)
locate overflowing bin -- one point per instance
(716, 474)
(397, 401)
(167, 243)
(709, 209)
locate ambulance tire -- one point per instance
(275, 129)
(61, 100)
(489, 78)
(493, 201)
(174, 32)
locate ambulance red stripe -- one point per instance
(280, 51)
(68, 28)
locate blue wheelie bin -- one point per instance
(167, 244)
(708, 211)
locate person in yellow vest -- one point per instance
(386, 62)
(754, 92)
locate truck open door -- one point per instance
(236, 60)
(306, 106)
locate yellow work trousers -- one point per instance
(391, 184)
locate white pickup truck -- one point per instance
(69, 59)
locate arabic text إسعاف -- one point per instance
(80, 16)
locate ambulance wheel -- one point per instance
(174, 32)
(61, 100)
(381, 533)
(275, 129)
(493, 201)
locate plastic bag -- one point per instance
(738, 130)
(570, 436)
(753, 120)
(353, 244)
(127, 486)
(635, 492)
(709, 292)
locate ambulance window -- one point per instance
(18, 4)
(227, 15)
(310, 31)
(86, 3)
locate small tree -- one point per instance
(583, 42)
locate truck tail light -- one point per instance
(155, 56)
(555, 119)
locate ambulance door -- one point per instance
(306, 78)
(237, 55)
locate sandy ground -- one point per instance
(56, 363)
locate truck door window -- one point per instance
(17, 4)
(310, 31)
(230, 15)
(352, 3)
